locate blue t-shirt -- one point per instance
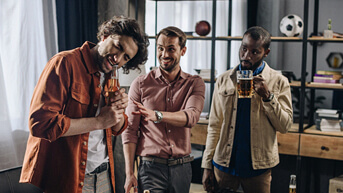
(241, 163)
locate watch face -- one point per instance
(159, 116)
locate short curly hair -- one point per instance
(120, 25)
(257, 33)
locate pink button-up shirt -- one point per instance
(163, 140)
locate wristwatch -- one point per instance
(159, 116)
(271, 96)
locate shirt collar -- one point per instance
(158, 74)
(258, 69)
(87, 57)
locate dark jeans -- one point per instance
(257, 184)
(161, 178)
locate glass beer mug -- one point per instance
(244, 83)
(112, 84)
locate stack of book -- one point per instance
(329, 120)
(327, 76)
(205, 73)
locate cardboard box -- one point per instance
(336, 185)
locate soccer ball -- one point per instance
(291, 25)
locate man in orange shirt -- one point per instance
(69, 148)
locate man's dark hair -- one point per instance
(120, 25)
(257, 33)
(172, 31)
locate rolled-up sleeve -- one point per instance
(195, 102)
(46, 119)
(279, 110)
(130, 135)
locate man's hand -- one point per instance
(110, 116)
(120, 99)
(260, 87)
(148, 114)
(131, 182)
(208, 180)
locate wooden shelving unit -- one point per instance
(330, 86)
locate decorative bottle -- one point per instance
(293, 184)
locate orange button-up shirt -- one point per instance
(69, 88)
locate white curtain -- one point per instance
(185, 14)
(27, 40)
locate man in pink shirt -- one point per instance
(163, 107)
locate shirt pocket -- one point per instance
(227, 92)
(227, 96)
(80, 94)
(78, 104)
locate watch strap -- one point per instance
(271, 96)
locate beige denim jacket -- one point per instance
(266, 119)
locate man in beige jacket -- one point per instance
(241, 146)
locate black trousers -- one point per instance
(161, 178)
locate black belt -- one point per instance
(169, 162)
(101, 168)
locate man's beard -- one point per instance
(253, 66)
(169, 68)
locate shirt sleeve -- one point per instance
(195, 102)
(51, 93)
(214, 126)
(279, 109)
(115, 133)
(130, 135)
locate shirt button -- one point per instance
(95, 105)
(172, 145)
(99, 85)
(168, 99)
(83, 163)
(97, 73)
(81, 183)
(85, 143)
(169, 130)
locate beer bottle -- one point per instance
(292, 184)
(113, 84)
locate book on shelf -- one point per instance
(328, 125)
(325, 72)
(205, 73)
(327, 77)
(328, 113)
(324, 80)
(204, 115)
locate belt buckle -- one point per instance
(170, 161)
(182, 160)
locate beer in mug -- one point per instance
(244, 83)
